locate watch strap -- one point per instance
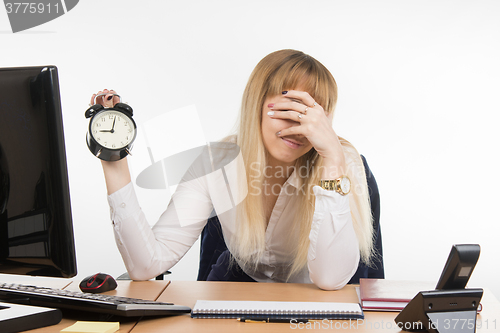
(329, 185)
(335, 185)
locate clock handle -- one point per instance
(109, 94)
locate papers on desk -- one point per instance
(276, 310)
(92, 327)
(389, 295)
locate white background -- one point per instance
(418, 81)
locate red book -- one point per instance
(389, 295)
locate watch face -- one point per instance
(112, 129)
(345, 185)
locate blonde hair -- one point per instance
(279, 71)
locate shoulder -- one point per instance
(223, 153)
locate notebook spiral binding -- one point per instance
(277, 310)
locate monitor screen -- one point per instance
(36, 230)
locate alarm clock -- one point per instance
(111, 131)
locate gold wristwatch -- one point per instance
(340, 185)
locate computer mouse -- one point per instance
(98, 283)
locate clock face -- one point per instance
(112, 129)
(345, 185)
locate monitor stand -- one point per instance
(16, 317)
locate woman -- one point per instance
(287, 228)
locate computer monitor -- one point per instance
(36, 230)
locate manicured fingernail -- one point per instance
(278, 134)
(270, 105)
(270, 113)
(284, 92)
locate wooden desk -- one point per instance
(187, 292)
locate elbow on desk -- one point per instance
(329, 284)
(332, 279)
(138, 276)
(143, 273)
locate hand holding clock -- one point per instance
(105, 143)
(107, 102)
(107, 98)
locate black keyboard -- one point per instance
(99, 303)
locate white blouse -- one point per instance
(333, 255)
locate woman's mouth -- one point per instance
(291, 143)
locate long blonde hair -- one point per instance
(279, 71)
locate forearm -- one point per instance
(333, 168)
(116, 174)
(137, 246)
(334, 251)
(147, 253)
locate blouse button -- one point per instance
(122, 205)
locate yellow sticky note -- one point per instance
(92, 327)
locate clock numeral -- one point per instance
(98, 125)
(103, 119)
(111, 116)
(113, 145)
(106, 144)
(130, 130)
(121, 142)
(98, 139)
(125, 124)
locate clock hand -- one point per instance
(113, 127)
(112, 130)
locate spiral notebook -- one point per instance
(276, 310)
